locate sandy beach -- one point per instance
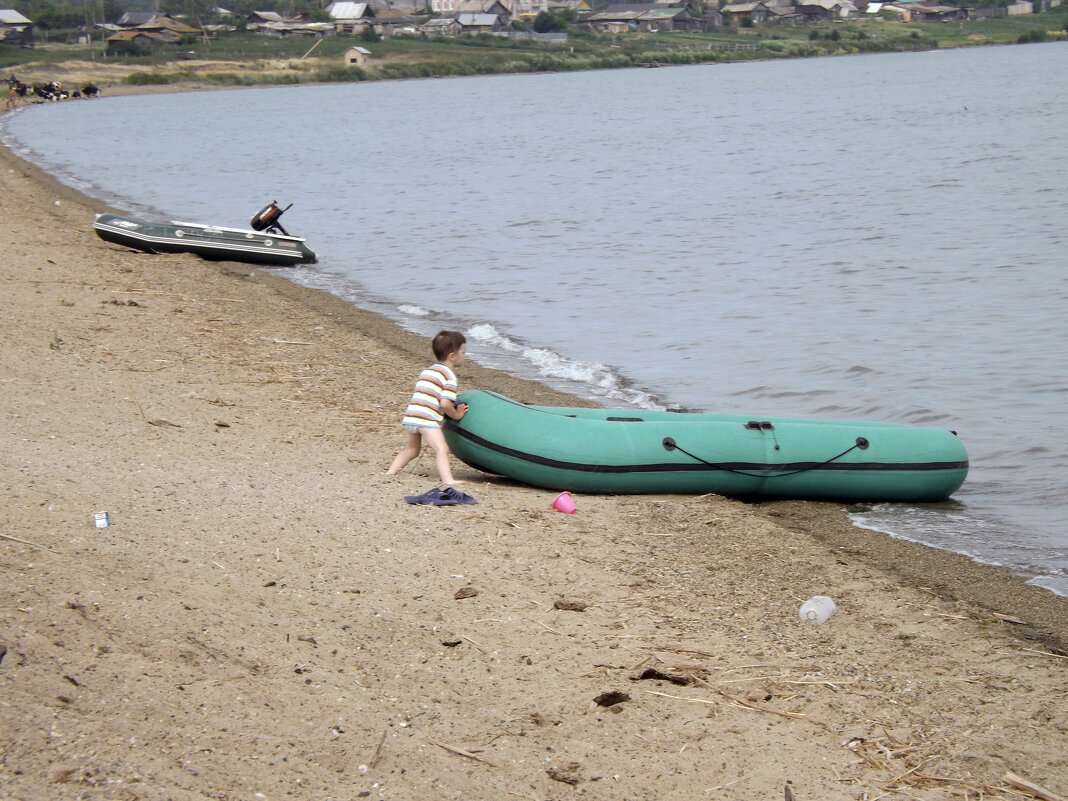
(267, 618)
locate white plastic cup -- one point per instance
(817, 609)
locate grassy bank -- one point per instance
(242, 59)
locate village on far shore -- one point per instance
(542, 19)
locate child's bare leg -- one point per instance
(411, 450)
(436, 440)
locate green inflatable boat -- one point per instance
(636, 451)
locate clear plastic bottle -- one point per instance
(817, 609)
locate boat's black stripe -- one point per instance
(123, 237)
(690, 467)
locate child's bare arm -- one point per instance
(454, 411)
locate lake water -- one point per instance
(877, 237)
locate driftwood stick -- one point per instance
(792, 715)
(1030, 787)
(909, 771)
(463, 753)
(26, 542)
(1044, 653)
(682, 651)
(477, 645)
(378, 751)
(682, 698)
(740, 702)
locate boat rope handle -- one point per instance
(861, 443)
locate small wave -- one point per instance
(837, 369)
(925, 417)
(597, 380)
(1058, 585)
(960, 531)
(782, 394)
(414, 311)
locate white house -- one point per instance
(347, 14)
(10, 17)
(14, 26)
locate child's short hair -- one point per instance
(447, 342)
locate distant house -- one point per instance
(478, 23)
(528, 10)
(10, 17)
(419, 7)
(756, 13)
(347, 11)
(938, 13)
(264, 17)
(403, 23)
(272, 23)
(578, 6)
(784, 15)
(925, 12)
(712, 19)
(350, 17)
(156, 29)
(440, 26)
(136, 37)
(618, 18)
(504, 13)
(891, 11)
(15, 28)
(650, 17)
(825, 10)
(669, 18)
(357, 57)
(169, 27)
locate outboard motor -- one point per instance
(266, 219)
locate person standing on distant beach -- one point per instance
(434, 400)
(11, 95)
